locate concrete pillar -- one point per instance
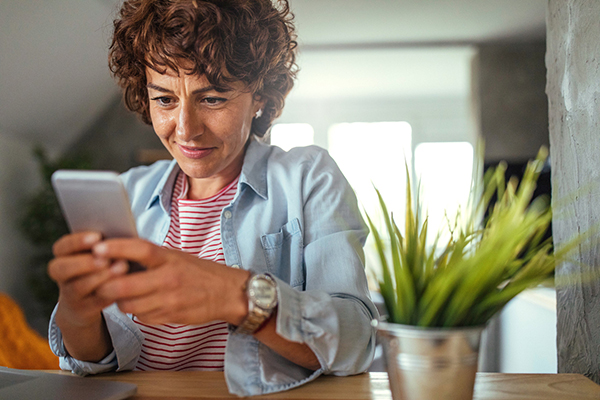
(573, 88)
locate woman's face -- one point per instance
(203, 127)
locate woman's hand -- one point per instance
(78, 275)
(180, 288)
(176, 287)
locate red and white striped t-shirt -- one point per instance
(195, 228)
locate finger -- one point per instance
(158, 316)
(133, 285)
(141, 251)
(67, 268)
(143, 305)
(154, 309)
(75, 243)
(86, 285)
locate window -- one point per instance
(374, 154)
(445, 171)
(287, 136)
(378, 154)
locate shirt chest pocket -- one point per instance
(284, 253)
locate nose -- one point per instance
(189, 123)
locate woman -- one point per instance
(243, 243)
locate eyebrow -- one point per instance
(205, 89)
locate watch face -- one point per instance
(264, 293)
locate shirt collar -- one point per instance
(164, 188)
(254, 170)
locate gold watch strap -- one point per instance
(253, 322)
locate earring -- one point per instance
(258, 113)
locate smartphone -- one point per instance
(95, 201)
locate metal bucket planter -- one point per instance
(430, 363)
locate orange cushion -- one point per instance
(20, 346)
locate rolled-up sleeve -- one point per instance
(335, 326)
(125, 336)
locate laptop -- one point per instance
(18, 384)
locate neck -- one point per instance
(200, 189)
(203, 188)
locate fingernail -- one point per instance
(100, 262)
(91, 238)
(120, 267)
(100, 249)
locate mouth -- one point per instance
(195, 152)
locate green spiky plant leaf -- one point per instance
(466, 280)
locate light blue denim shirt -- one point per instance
(295, 216)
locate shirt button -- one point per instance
(235, 266)
(227, 214)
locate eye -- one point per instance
(213, 101)
(162, 101)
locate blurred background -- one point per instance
(382, 83)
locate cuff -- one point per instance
(315, 325)
(125, 336)
(68, 363)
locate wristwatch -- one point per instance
(262, 299)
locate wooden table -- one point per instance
(372, 386)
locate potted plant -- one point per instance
(439, 297)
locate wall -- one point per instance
(53, 63)
(18, 178)
(432, 118)
(513, 109)
(114, 139)
(573, 89)
(528, 333)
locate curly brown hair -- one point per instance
(252, 41)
